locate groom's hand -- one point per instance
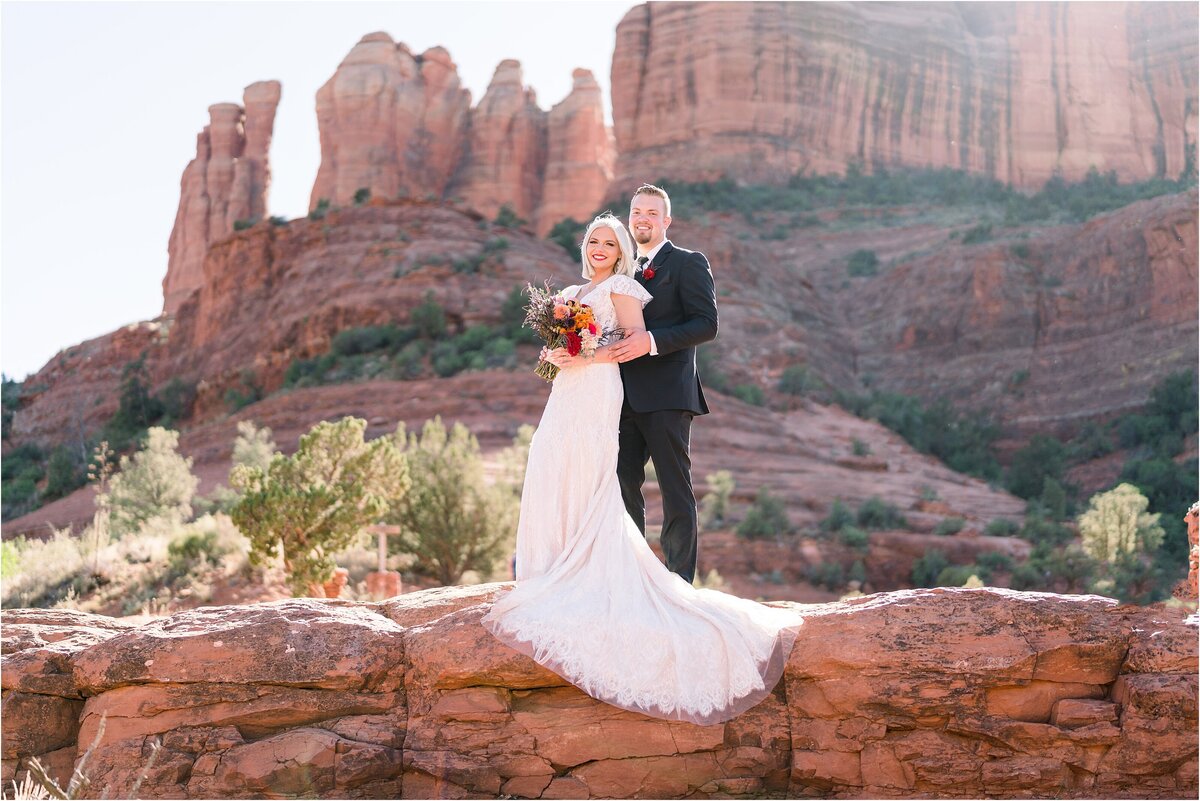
(632, 347)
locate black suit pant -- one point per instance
(664, 437)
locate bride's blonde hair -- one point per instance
(624, 265)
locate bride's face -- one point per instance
(603, 251)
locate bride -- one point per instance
(592, 602)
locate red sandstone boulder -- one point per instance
(980, 693)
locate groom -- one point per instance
(658, 370)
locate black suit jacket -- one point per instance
(682, 315)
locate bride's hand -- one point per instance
(560, 358)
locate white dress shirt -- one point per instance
(650, 260)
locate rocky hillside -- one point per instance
(1016, 91)
(975, 693)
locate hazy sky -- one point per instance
(100, 104)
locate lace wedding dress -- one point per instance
(592, 602)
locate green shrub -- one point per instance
(859, 448)
(948, 526)
(307, 506)
(830, 575)
(567, 233)
(192, 548)
(953, 575)
(362, 195)
(854, 537)
(242, 225)
(507, 218)
(767, 517)
(1002, 527)
(1044, 457)
(155, 483)
(926, 570)
(839, 517)
(429, 318)
(962, 441)
(452, 520)
(494, 247)
(798, 380)
(994, 561)
(320, 210)
(1038, 528)
(749, 393)
(64, 473)
(372, 339)
(977, 234)
(874, 512)
(715, 507)
(863, 263)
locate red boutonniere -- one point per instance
(648, 273)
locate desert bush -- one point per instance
(854, 537)
(766, 517)
(307, 506)
(1002, 527)
(567, 233)
(451, 520)
(839, 517)
(798, 379)
(948, 526)
(1117, 524)
(715, 507)
(507, 218)
(925, 571)
(749, 393)
(863, 263)
(875, 512)
(156, 482)
(830, 575)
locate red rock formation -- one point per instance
(505, 162)
(579, 165)
(399, 124)
(983, 693)
(227, 181)
(1016, 91)
(390, 122)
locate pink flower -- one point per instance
(560, 312)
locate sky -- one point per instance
(101, 102)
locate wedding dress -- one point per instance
(592, 602)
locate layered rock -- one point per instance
(401, 125)
(965, 324)
(505, 163)
(579, 164)
(981, 693)
(1017, 91)
(227, 181)
(390, 122)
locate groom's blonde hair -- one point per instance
(624, 264)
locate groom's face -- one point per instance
(648, 219)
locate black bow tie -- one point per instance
(641, 262)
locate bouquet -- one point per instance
(560, 323)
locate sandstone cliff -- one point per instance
(1017, 91)
(506, 157)
(402, 125)
(226, 182)
(390, 121)
(981, 693)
